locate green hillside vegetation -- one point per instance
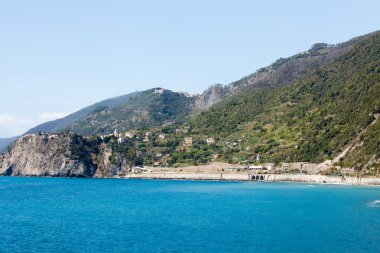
(366, 154)
(104, 115)
(309, 120)
(145, 110)
(59, 125)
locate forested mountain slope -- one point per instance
(282, 72)
(92, 119)
(311, 119)
(150, 108)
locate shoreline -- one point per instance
(251, 177)
(236, 177)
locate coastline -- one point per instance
(239, 177)
(291, 178)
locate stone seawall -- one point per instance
(319, 179)
(193, 176)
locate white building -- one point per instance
(129, 135)
(210, 141)
(188, 142)
(159, 91)
(258, 157)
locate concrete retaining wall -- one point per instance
(263, 177)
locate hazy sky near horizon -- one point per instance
(59, 56)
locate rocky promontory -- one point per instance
(63, 155)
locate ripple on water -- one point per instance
(375, 203)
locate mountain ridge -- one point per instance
(60, 124)
(310, 119)
(281, 72)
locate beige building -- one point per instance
(188, 142)
(300, 166)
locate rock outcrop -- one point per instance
(211, 96)
(63, 155)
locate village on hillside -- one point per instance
(157, 150)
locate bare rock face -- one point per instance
(109, 167)
(44, 155)
(211, 96)
(63, 155)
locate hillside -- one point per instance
(151, 108)
(61, 124)
(320, 105)
(98, 119)
(311, 119)
(5, 142)
(282, 72)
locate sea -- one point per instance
(124, 215)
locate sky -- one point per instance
(60, 56)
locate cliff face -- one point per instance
(64, 155)
(43, 155)
(211, 96)
(106, 168)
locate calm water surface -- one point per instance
(109, 215)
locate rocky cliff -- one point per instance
(63, 155)
(211, 96)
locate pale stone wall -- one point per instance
(194, 176)
(242, 176)
(324, 179)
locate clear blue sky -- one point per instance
(59, 56)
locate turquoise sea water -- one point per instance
(110, 215)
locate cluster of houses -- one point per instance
(189, 95)
(29, 137)
(161, 90)
(122, 136)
